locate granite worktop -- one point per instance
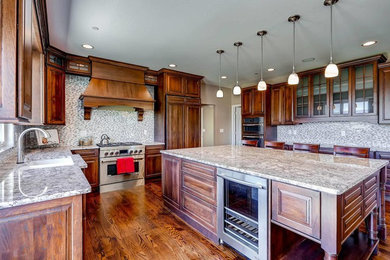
(20, 185)
(322, 172)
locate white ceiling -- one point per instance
(155, 33)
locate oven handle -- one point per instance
(254, 185)
(106, 160)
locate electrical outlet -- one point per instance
(145, 132)
(342, 133)
(203, 130)
(221, 130)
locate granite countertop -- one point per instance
(330, 146)
(86, 147)
(322, 172)
(153, 143)
(20, 185)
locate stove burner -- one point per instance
(119, 144)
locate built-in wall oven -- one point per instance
(253, 129)
(243, 213)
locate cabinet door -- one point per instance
(246, 102)
(175, 123)
(276, 106)
(174, 84)
(365, 89)
(152, 165)
(258, 102)
(171, 180)
(288, 113)
(384, 95)
(192, 125)
(92, 171)
(302, 98)
(340, 94)
(320, 95)
(55, 96)
(192, 87)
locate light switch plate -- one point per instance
(221, 130)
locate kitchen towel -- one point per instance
(125, 165)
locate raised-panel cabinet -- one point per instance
(171, 180)
(175, 122)
(282, 107)
(192, 125)
(153, 160)
(252, 102)
(55, 96)
(91, 158)
(174, 84)
(192, 87)
(384, 93)
(246, 102)
(276, 106)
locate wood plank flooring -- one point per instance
(133, 224)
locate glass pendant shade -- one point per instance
(236, 90)
(262, 85)
(293, 79)
(219, 93)
(331, 71)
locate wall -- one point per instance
(223, 112)
(120, 124)
(327, 134)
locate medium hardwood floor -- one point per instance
(133, 224)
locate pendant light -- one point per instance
(262, 85)
(237, 88)
(220, 92)
(293, 79)
(331, 70)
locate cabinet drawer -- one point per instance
(198, 169)
(86, 152)
(297, 208)
(202, 188)
(201, 211)
(154, 149)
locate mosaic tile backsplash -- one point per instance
(119, 123)
(327, 134)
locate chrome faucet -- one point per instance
(21, 145)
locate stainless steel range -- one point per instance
(109, 153)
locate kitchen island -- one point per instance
(41, 205)
(315, 201)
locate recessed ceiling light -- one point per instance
(308, 59)
(369, 43)
(172, 65)
(87, 46)
(270, 69)
(223, 77)
(95, 28)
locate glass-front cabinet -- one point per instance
(365, 90)
(320, 95)
(302, 97)
(340, 94)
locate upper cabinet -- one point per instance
(384, 93)
(353, 95)
(282, 108)
(252, 102)
(55, 87)
(182, 84)
(78, 65)
(22, 63)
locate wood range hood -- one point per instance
(116, 84)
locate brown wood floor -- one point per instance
(133, 224)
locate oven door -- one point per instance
(108, 171)
(243, 213)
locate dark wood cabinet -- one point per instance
(171, 180)
(153, 161)
(252, 102)
(282, 109)
(44, 230)
(177, 109)
(55, 96)
(190, 190)
(340, 93)
(78, 65)
(385, 156)
(302, 98)
(320, 95)
(384, 93)
(91, 158)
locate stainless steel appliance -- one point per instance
(243, 213)
(253, 129)
(109, 153)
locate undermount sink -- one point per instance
(46, 163)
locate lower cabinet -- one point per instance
(91, 158)
(153, 161)
(45, 230)
(190, 191)
(385, 156)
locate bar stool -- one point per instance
(274, 145)
(254, 143)
(360, 152)
(309, 148)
